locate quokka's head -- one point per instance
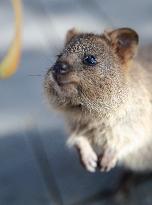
(90, 74)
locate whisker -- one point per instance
(34, 75)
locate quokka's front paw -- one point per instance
(89, 159)
(108, 160)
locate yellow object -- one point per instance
(10, 62)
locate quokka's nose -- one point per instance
(61, 68)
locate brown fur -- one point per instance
(107, 106)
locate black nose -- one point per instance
(61, 68)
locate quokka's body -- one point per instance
(105, 94)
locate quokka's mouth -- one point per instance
(65, 80)
(66, 83)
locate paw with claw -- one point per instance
(108, 160)
(88, 158)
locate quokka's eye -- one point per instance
(89, 60)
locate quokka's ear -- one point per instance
(125, 42)
(70, 34)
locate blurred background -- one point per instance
(36, 167)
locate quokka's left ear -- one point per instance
(125, 42)
(70, 34)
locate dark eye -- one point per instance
(89, 60)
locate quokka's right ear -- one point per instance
(70, 34)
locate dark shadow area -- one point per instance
(37, 168)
